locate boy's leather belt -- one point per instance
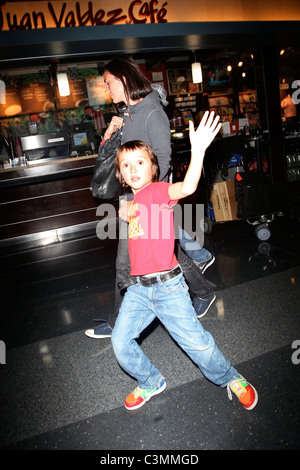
(148, 281)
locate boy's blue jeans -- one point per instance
(196, 281)
(171, 303)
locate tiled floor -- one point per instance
(63, 390)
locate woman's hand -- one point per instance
(115, 123)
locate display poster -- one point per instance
(180, 82)
(97, 93)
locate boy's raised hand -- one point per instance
(207, 130)
(200, 140)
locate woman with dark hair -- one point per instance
(135, 84)
(142, 117)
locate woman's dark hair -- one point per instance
(137, 145)
(135, 84)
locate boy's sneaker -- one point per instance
(201, 306)
(139, 396)
(101, 331)
(206, 264)
(246, 393)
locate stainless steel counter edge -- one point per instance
(46, 171)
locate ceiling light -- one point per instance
(197, 72)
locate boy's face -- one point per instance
(136, 168)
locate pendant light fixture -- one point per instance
(2, 92)
(196, 71)
(63, 84)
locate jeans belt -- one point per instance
(148, 281)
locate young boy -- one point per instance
(161, 290)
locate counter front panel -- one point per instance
(42, 197)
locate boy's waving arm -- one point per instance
(200, 140)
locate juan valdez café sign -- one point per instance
(56, 14)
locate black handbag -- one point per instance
(253, 194)
(104, 184)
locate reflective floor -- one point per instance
(63, 390)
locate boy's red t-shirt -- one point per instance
(151, 237)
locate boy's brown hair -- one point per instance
(136, 145)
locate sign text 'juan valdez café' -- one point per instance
(59, 14)
(29, 15)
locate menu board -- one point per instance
(78, 95)
(27, 99)
(36, 98)
(13, 103)
(33, 96)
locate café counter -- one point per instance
(50, 200)
(46, 196)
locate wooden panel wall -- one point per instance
(46, 204)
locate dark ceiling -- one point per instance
(213, 44)
(156, 42)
